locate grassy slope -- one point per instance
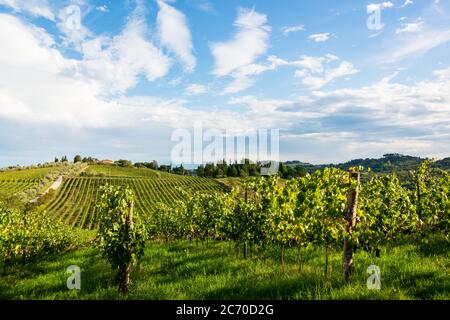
(181, 270)
(31, 174)
(115, 171)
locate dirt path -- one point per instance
(54, 186)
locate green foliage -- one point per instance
(386, 211)
(323, 204)
(124, 163)
(120, 237)
(311, 210)
(222, 169)
(31, 234)
(431, 198)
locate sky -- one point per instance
(116, 79)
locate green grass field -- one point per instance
(181, 270)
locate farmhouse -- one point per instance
(106, 162)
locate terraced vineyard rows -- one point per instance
(11, 187)
(75, 203)
(16, 181)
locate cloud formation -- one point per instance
(175, 34)
(249, 42)
(36, 8)
(291, 29)
(320, 37)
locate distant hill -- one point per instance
(444, 163)
(392, 162)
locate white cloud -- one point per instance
(379, 6)
(379, 118)
(205, 5)
(287, 30)
(119, 61)
(320, 37)
(443, 74)
(36, 8)
(41, 90)
(238, 84)
(103, 8)
(70, 23)
(196, 89)
(175, 34)
(411, 27)
(244, 76)
(310, 69)
(416, 45)
(249, 42)
(407, 3)
(315, 73)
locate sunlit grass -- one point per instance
(180, 270)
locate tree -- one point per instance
(124, 163)
(56, 160)
(232, 171)
(153, 165)
(77, 159)
(121, 234)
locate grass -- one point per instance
(180, 270)
(116, 171)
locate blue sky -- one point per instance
(115, 79)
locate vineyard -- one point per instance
(75, 204)
(116, 171)
(16, 181)
(308, 237)
(12, 187)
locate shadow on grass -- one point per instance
(48, 278)
(435, 248)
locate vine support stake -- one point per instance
(352, 207)
(126, 268)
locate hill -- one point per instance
(75, 202)
(387, 164)
(104, 170)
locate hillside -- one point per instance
(29, 182)
(75, 202)
(116, 171)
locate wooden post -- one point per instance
(352, 207)
(126, 268)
